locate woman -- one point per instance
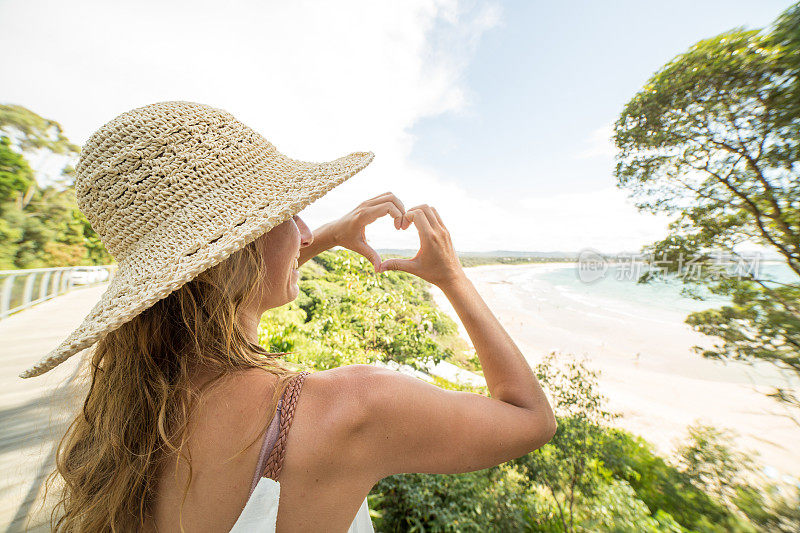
(189, 425)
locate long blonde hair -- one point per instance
(137, 408)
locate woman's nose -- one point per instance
(306, 236)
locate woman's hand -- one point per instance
(436, 261)
(348, 231)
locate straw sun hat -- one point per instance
(174, 188)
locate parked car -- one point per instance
(87, 275)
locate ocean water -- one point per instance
(618, 285)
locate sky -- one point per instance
(499, 114)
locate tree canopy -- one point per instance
(40, 226)
(713, 139)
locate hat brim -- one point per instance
(144, 278)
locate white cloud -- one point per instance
(599, 144)
(604, 219)
(318, 79)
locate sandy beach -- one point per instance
(649, 373)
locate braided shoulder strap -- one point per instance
(275, 461)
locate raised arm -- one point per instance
(348, 231)
(408, 425)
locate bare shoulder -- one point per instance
(352, 404)
(364, 388)
(356, 379)
(323, 442)
(340, 403)
(356, 389)
(342, 392)
(333, 398)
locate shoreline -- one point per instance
(648, 372)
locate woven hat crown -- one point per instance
(151, 162)
(174, 188)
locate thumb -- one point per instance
(367, 251)
(405, 265)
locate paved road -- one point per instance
(34, 412)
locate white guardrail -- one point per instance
(20, 289)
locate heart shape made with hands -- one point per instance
(369, 252)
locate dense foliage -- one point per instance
(713, 138)
(40, 226)
(346, 314)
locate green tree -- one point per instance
(786, 36)
(16, 175)
(32, 135)
(771, 510)
(617, 508)
(35, 132)
(661, 486)
(601, 478)
(570, 466)
(493, 499)
(713, 139)
(40, 226)
(712, 464)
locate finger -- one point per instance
(388, 197)
(438, 218)
(425, 209)
(406, 265)
(385, 197)
(372, 213)
(367, 251)
(431, 216)
(420, 220)
(406, 222)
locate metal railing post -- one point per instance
(26, 294)
(5, 297)
(43, 285)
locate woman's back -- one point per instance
(317, 489)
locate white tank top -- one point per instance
(260, 513)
